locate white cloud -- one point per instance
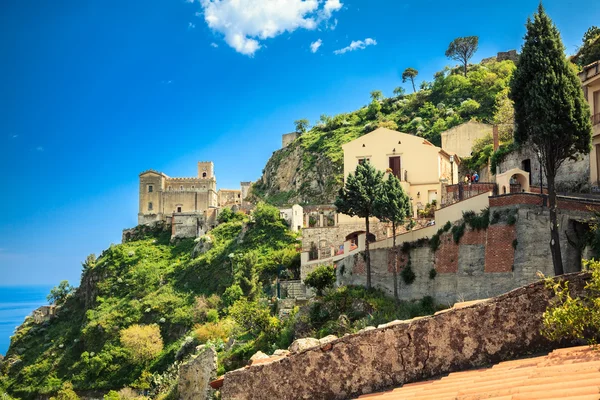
(357, 45)
(191, 26)
(14, 136)
(39, 148)
(213, 44)
(314, 46)
(246, 23)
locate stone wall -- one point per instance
(571, 176)
(288, 138)
(484, 263)
(329, 239)
(495, 330)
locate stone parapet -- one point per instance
(491, 331)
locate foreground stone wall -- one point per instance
(498, 329)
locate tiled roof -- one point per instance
(572, 374)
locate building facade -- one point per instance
(420, 166)
(590, 79)
(460, 139)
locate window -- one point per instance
(204, 174)
(150, 188)
(150, 206)
(169, 188)
(363, 160)
(193, 187)
(178, 209)
(181, 187)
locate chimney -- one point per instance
(496, 139)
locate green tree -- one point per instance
(59, 294)
(590, 49)
(410, 74)
(66, 393)
(246, 276)
(321, 278)
(376, 95)
(301, 125)
(551, 113)
(399, 91)
(90, 262)
(393, 205)
(462, 49)
(142, 341)
(358, 197)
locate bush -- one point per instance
(574, 317)
(408, 275)
(254, 318)
(477, 221)
(457, 232)
(66, 392)
(212, 315)
(432, 273)
(232, 294)
(142, 341)
(321, 278)
(434, 242)
(213, 330)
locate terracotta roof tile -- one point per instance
(572, 374)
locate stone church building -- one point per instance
(190, 204)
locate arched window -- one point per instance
(181, 187)
(169, 188)
(150, 206)
(204, 174)
(193, 187)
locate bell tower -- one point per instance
(206, 170)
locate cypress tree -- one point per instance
(393, 205)
(551, 113)
(357, 198)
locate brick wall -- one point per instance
(446, 257)
(499, 249)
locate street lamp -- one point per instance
(452, 170)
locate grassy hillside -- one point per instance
(216, 291)
(309, 171)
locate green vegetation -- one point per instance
(551, 113)
(59, 294)
(393, 205)
(462, 49)
(590, 47)
(323, 277)
(358, 198)
(574, 317)
(450, 99)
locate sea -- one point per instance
(17, 302)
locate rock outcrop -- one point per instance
(195, 376)
(303, 344)
(491, 331)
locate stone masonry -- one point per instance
(400, 352)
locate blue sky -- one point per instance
(94, 92)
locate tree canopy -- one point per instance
(410, 74)
(590, 48)
(551, 113)
(301, 125)
(462, 49)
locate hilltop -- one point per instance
(310, 169)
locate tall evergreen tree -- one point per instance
(551, 113)
(462, 49)
(393, 205)
(410, 74)
(358, 197)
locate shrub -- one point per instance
(496, 217)
(321, 278)
(232, 294)
(142, 341)
(477, 221)
(512, 218)
(447, 226)
(212, 315)
(213, 330)
(432, 273)
(574, 317)
(457, 232)
(434, 242)
(408, 275)
(66, 393)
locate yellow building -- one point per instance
(590, 78)
(460, 139)
(420, 166)
(162, 196)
